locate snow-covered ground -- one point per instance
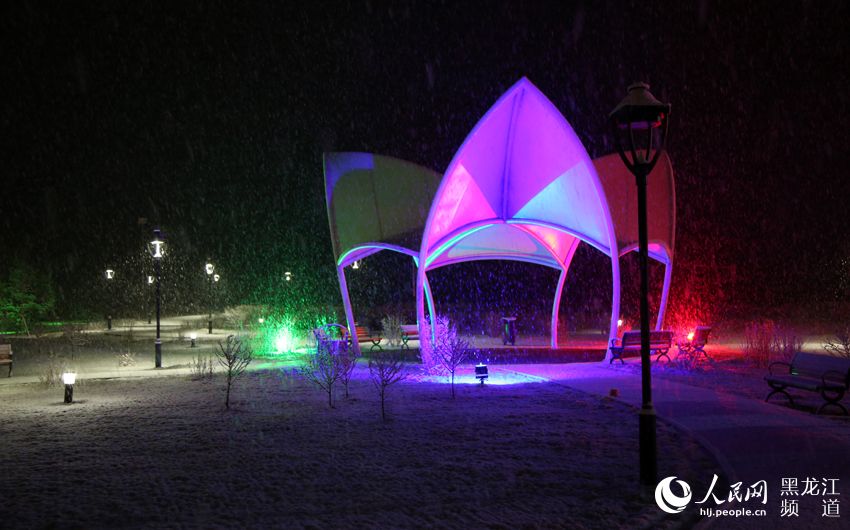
(161, 451)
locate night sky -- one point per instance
(209, 119)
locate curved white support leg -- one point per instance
(556, 305)
(665, 291)
(615, 303)
(346, 304)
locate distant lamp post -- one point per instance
(641, 114)
(288, 276)
(150, 282)
(210, 269)
(156, 253)
(261, 320)
(193, 337)
(69, 378)
(356, 264)
(110, 275)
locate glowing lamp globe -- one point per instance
(156, 246)
(69, 378)
(193, 335)
(288, 276)
(110, 274)
(210, 268)
(261, 320)
(619, 322)
(150, 280)
(216, 277)
(691, 336)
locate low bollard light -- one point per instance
(193, 337)
(69, 378)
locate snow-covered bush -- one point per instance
(127, 358)
(391, 325)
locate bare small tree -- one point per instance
(323, 370)
(347, 364)
(234, 356)
(451, 350)
(385, 369)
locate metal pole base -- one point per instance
(109, 323)
(69, 393)
(158, 350)
(210, 325)
(648, 451)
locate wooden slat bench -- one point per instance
(659, 342)
(6, 356)
(363, 335)
(408, 332)
(829, 376)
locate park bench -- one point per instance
(408, 332)
(6, 356)
(332, 338)
(363, 335)
(659, 342)
(695, 346)
(829, 376)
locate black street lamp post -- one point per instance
(640, 114)
(210, 269)
(150, 282)
(110, 275)
(156, 254)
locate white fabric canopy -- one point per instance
(521, 187)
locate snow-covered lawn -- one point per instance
(163, 452)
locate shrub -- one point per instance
(757, 338)
(839, 344)
(201, 368)
(126, 358)
(391, 325)
(766, 342)
(785, 343)
(50, 372)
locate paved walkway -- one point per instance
(750, 439)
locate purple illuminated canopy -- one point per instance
(521, 187)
